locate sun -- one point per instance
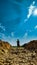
(35, 12)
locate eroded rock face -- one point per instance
(17, 55)
(4, 45)
(32, 45)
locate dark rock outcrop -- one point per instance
(31, 45)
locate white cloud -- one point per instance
(4, 37)
(1, 35)
(12, 34)
(35, 27)
(29, 30)
(2, 27)
(9, 39)
(25, 35)
(30, 10)
(35, 12)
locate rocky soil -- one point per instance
(17, 56)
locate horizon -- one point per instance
(19, 42)
(18, 20)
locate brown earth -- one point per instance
(32, 45)
(16, 55)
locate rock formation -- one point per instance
(10, 55)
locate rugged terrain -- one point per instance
(32, 45)
(25, 55)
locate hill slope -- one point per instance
(32, 45)
(17, 55)
(4, 45)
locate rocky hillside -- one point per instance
(32, 45)
(4, 45)
(16, 55)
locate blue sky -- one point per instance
(18, 20)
